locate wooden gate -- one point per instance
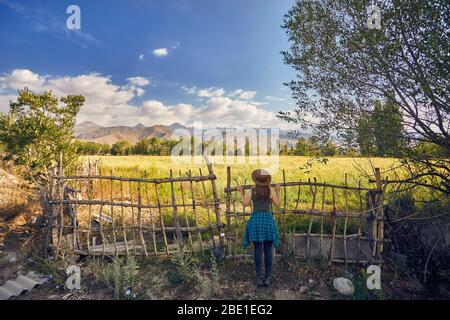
(318, 220)
(109, 215)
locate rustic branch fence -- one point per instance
(110, 215)
(97, 214)
(332, 240)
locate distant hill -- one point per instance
(89, 131)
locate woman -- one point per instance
(261, 229)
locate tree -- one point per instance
(307, 147)
(121, 148)
(37, 128)
(344, 67)
(92, 148)
(365, 136)
(388, 129)
(381, 133)
(329, 149)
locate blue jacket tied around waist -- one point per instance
(261, 225)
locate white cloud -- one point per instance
(141, 57)
(109, 104)
(189, 90)
(139, 81)
(211, 92)
(160, 52)
(247, 95)
(236, 93)
(272, 98)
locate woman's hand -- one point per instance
(277, 188)
(240, 189)
(275, 195)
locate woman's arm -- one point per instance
(275, 195)
(245, 198)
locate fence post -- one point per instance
(373, 198)
(54, 213)
(380, 214)
(228, 204)
(216, 204)
(175, 211)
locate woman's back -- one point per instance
(261, 204)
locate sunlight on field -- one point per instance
(332, 172)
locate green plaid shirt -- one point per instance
(260, 227)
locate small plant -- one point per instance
(186, 270)
(130, 274)
(121, 277)
(361, 290)
(214, 271)
(53, 268)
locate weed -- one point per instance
(361, 290)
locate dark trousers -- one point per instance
(260, 249)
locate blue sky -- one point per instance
(195, 59)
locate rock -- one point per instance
(10, 257)
(344, 286)
(303, 289)
(310, 281)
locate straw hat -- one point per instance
(261, 177)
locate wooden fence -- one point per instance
(313, 224)
(109, 215)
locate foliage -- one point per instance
(121, 276)
(121, 148)
(344, 68)
(312, 146)
(381, 133)
(37, 128)
(214, 274)
(92, 148)
(154, 146)
(185, 264)
(147, 146)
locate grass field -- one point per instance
(333, 171)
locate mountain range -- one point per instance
(90, 131)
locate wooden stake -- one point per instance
(346, 219)
(216, 206)
(152, 218)
(113, 218)
(334, 227)
(208, 211)
(185, 213)
(141, 234)
(194, 210)
(123, 219)
(161, 218)
(176, 221)
(228, 208)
